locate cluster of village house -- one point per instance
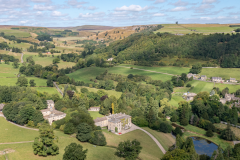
(214, 79)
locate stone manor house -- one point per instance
(51, 114)
(121, 121)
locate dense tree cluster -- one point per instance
(44, 37)
(45, 144)
(74, 152)
(23, 104)
(7, 58)
(149, 47)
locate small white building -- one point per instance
(51, 114)
(94, 109)
(233, 80)
(195, 76)
(109, 59)
(190, 96)
(203, 78)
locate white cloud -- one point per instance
(4, 20)
(41, 1)
(91, 8)
(24, 22)
(76, 4)
(58, 14)
(38, 13)
(92, 15)
(158, 14)
(43, 7)
(176, 9)
(159, 1)
(209, 1)
(135, 8)
(180, 3)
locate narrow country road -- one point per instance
(17, 142)
(22, 57)
(59, 90)
(149, 71)
(153, 138)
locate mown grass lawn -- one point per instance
(150, 149)
(222, 72)
(16, 33)
(7, 70)
(165, 139)
(13, 81)
(49, 90)
(95, 114)
(176, 98)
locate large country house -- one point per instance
(228, 98)
(115, 122)
(51, 114)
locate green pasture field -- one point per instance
(173, 28)
(13, 81)
(86, 74)
(16, 33)
(95, 114)
(49, 90)
(235, 130)
(167, 69)
(212, 29)
(22, 45)
(222, 72)
(165, 139)
(201, 133)
(109, 92)
(176, 98)
(7, 70)
(200, 86)
(10, 133)
(24, 151)
(68, 38)
(150, 149)
(45, 61)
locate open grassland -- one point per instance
(176, 98)
(173, 28)
(45, 61)
(150, 150)
(95, 114)
(168, 69)
(109, 92)
(16, 33)
(49, 90)
(86, 74)
(7, 70)
(13, 81)
(222, 72)
(235, 130)
(198, 132)
(22, 45)
(165, 139)
(195, 28)
(200, 86)
(24, 151)
(11, 133)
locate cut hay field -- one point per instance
(7, 70)
(86, 74)
(16, 33)
(24, 151)
(173, 28)
(13, 81)
(200, 86)
(167, 69)
(109, 92)
(222, 72)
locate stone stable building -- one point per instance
(94, 109)
(115, 122)
(51, 114)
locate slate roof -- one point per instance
(100, 119)
(50, 101)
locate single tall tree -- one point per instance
(74, 152)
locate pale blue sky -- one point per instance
(63, 13)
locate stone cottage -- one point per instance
(203, 78)
(217, 79)
(228, 98)
(119, 121)
(94, 109)
(51, 114)
(233, 80)
(190, 96)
